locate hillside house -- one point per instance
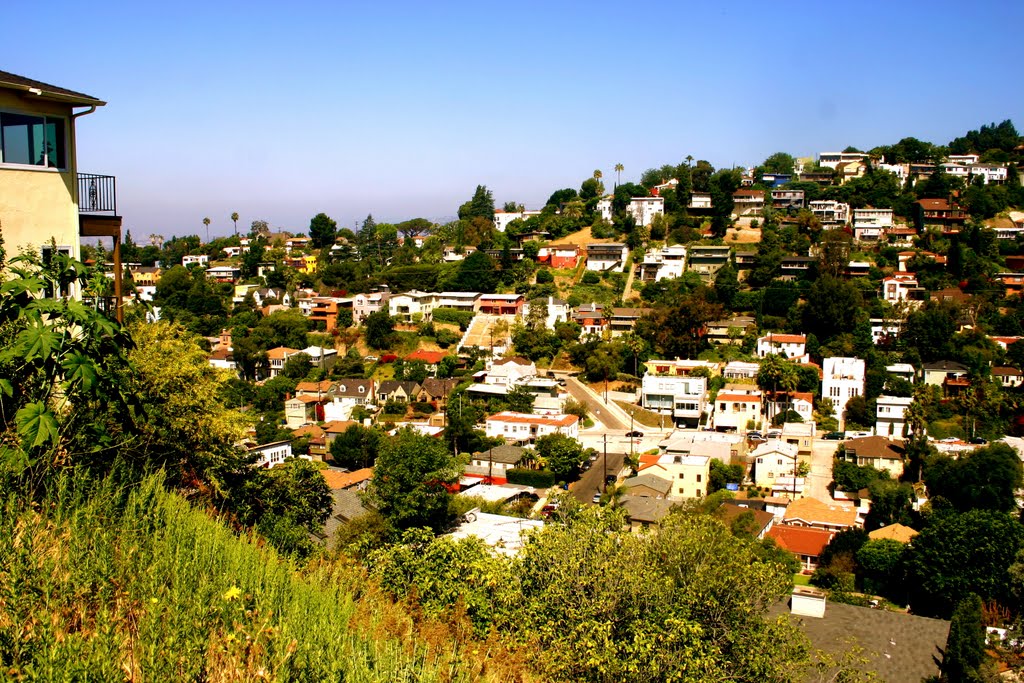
(527, 428)
(842, 379)
(608, 256)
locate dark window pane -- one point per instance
(55, 142)
(17, 134)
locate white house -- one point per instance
(558, 311)
(460, 301)
(270, 454)
(738, 369)
(833, 159)
(842, 379)
(699, 200)
(890, 415)
(870, 224)
(412, 305)
(644, 209)
(831, 212)
(734, 409)
(901, 287)
(666, 262)
(792, 346)
(510, 371)
(773, 460)
(526, 428)
(682, 397)
(503, 218)
(197, 259)
(607, 256)
(365, 304)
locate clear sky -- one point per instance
(282, 110)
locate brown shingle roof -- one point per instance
(876, 447)
(895, 532)
(814, 511)
(13, 81)
(343, 480)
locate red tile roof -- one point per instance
(343, 480)
(523, 418)
(428, 357)
(800, 540)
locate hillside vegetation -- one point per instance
(103, 583)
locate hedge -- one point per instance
(538, 479)
(453, 316)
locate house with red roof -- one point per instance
(806, 543)
(526, 428)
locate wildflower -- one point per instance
(232, 593)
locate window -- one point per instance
(682, 476)
(698, 478)
(31, 140)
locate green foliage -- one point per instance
(984, 479)
(297, 366)
(408, 487)
(849, 476)
(519, 399)
(591, 278)
(380, 329)
(453, 316)
(540, 479)
(322, 230)
(964, 653)
(880, 566)
(356, 447)
(561, 454)
(958, 554)
(722, 474)
(144, 569)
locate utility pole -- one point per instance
(604, 473)
(631, 416)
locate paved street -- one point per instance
(821, 468)
(608, 416)
(588, 484)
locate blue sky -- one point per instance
(282, 110)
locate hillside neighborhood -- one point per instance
(823, 354)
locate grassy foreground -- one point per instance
(136, 585)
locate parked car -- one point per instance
(755, 435)
(610, 479)
(634, 434)
(371, 359)
(775, 434)
(596, 498)
(978, 441)
(834, 436)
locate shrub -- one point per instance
(538, 479)
(453, 316)
(591, 278)
(423, 407)
(446, 338)
(544, 276)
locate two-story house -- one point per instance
(792, 346)
(706, 261)
(607, 256)
(46, 204)
(687, 474)
(663, 263)
(869, 224)
(891, 415)
(681, 396)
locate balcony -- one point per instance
(97, 217)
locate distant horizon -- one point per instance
(400, 111)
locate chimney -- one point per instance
(807, 602)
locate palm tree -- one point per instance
(234, 219)
(206, 222)
(573, 210)
(597, 174)
(619, 168)
(689, 159)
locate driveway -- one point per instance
(821, 468)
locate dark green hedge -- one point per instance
(538, 479)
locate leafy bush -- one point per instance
(453, 316)
(538, 479)
(544, 276)
(446, 338)
(591, 278)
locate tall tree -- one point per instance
(619, 168)
(234, 219)
(206, 222)
(322, 230)
(408, 486)
(964, 653)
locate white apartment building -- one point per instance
(792, 346)
(890, 415)
(870, 224)
(644, 209)
(831, 212)
(901, 287)
(739, 369)
(699, 200)
(604, 207)
(608, 256)
(503, 218)
(842, 379)
(773, 461)
(967, 159)
(460, 301)
(833, 159)
(666, 262)
(526, 428)
(197, 259)
(682, 397)
(407, 306)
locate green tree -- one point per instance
(964, 654)
(234, 219)
(727, 285)
(958, 554)
(519, 399)
(985, 479)
(356, 447)
(380, 329)
(322, 230)
(880, 565)
(477, 273)
(678, 330)
(408, 486)
(561, 454)
(297, 366)
(833, 307)
(206, 222)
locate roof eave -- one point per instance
(75, 100)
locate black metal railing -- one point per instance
(97, 193)
(107, 305)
